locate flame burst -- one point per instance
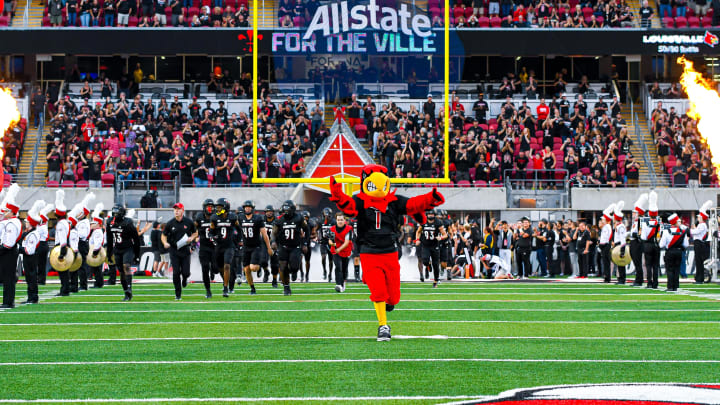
(704, 107)
(9, 115)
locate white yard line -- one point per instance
(252, 301)
(348, 321)
(404, 337)
(152, 311)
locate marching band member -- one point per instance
(82, 227)
(675, 240)
(30, 242)
(96, 242)
(62, 231)
(649, 230)
(9, 237)
(606, 239)
(636, 244)
(42, 249)
(701, 244)
(620, 238)
(74, 242)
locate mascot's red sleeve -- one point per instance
(344, 202)
(416, 206)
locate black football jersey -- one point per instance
(430, 232)
(251, 230)
(290, 231)
(326, 233)
(312, 224)
(202, 223)
(123, 236)
(269, 226)
(377, 231)
(223, 232)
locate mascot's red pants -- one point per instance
(381, 273)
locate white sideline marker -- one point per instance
(404, 337)
(239, 399)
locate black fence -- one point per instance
(479, 41)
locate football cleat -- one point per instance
(274, 284)
(266, 276)
(338, 288)
(184, 282)
(252, 290)
(225, 292)
(383, 333)
(178, 298)
(435, 284)
(208, 294)
(286, 290)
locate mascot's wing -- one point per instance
(345, 203)
(416, 206)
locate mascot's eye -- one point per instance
(371, 186)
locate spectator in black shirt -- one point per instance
(679, 174)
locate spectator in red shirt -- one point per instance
(542, 110)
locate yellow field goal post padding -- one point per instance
(352, 179)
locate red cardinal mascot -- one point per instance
(379, 214)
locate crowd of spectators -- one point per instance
(692, 14)
(12, 143)
(130, 139)
(495, 13)
(681, 150)
(560, 139)
(147, 13)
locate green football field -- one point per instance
(459, 341)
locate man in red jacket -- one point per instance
(379, 213)
(341, 247)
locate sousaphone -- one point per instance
(98, 259)
(61, 263)
(617, 259)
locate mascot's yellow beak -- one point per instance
(376, 185)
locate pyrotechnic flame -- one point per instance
(704, 107)
(9, 115)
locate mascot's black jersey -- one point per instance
(377, 231)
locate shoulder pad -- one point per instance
(214, 218)
(232, 217)
(199, 217)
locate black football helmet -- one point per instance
(246, 204)
(118, 211)
(222, 206)
(327, 211)
(207, 206)
(288, 208)
(306, 215)
(430, 214)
